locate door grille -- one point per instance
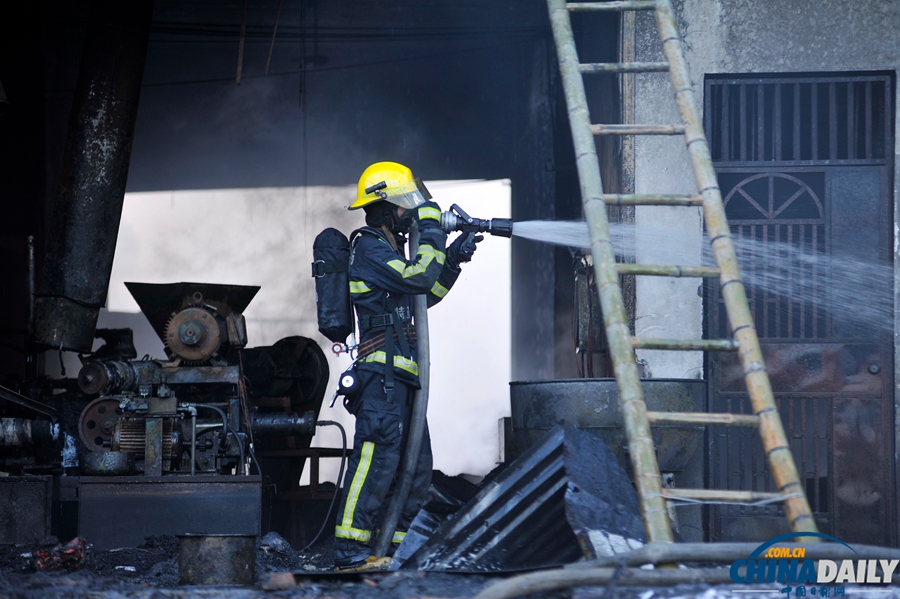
(791, 120)
(775, 142)
(778, 226)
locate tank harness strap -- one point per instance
(389, 320)
(321, 267)
(377, 342)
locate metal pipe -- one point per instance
(417, 422)
(677, 418)
(29, 252)
(274, 31)
(631, 397)
(740, 319)
(18, 432)
(612, 6)
(283, 425)
(637, 129)
(723, 496)
(240, 64)
(82, 237)
(617, 199)
(193, 444)
(193, 441)
(685, 344)
(664, 270)
(623, 67)
(553, 580)
(723, 553)
(10, 396)
(30, 356)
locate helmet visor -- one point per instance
(408, 196)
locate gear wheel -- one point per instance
(98, 421)
(194, 334)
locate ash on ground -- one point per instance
(155, 563)
(151, 572)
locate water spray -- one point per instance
(456, 219)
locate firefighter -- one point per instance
(382, 283)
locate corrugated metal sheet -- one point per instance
(521, 518)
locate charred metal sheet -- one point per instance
(159, 301)
(116, 511)
(593, 405)
(423, 527)
(447, 495)
(82, 239)
(9, 396)
(601, 505)
(563, 499)
(25, 507)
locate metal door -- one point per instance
(805, 175)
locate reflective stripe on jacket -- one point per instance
(377, 271)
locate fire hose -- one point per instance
(417, 420)
(455, 219)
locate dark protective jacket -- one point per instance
(383, 282)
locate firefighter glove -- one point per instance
(462, 248)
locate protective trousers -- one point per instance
(378, 446)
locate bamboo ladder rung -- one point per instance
(685, 344)
(633, 199)
(722, 495)
(612, 6)
(665, 270)
(600, 129)
(589, 68)
(703, 418)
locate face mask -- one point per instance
(403, 223)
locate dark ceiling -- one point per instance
(441, 86)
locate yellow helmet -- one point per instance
(390, 181)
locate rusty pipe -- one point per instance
(82, 236)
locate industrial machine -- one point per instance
(201, 409)
(175, 440)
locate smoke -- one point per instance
(432, 86)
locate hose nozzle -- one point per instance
(456, 219)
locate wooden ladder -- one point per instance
(637, 419)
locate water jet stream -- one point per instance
(850, 292)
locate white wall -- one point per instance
(264, 237)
